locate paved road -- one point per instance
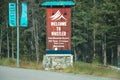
(7, 73)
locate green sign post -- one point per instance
(14, 21)
(18, 33)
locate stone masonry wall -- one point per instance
(58, 61)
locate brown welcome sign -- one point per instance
(58, 28)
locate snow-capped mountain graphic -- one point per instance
(57, 16)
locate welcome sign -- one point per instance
(58, 28)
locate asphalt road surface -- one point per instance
(7, 73)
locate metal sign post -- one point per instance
(17, 33)
(14, 21)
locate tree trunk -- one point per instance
(36, 41)
(12, 45)
(8, 47)
(1, 44)
(94, 38)
(104, 51)
(94, 33)
(35, 36)
(75, 54)
(118, 55)
(112, 55)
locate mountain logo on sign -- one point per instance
(57, 16)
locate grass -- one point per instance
(31, 65)
(8, 62)
(93, 69)
(23, 64)
(78, 68)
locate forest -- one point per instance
(95, 32)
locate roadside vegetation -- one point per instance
(78, 68)
(23, 64)
(93, 69)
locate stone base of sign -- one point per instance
(57, 61)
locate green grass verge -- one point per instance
(93, 69)
(31, 65)
(78, 68)
(23, 64)
(7, 62)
